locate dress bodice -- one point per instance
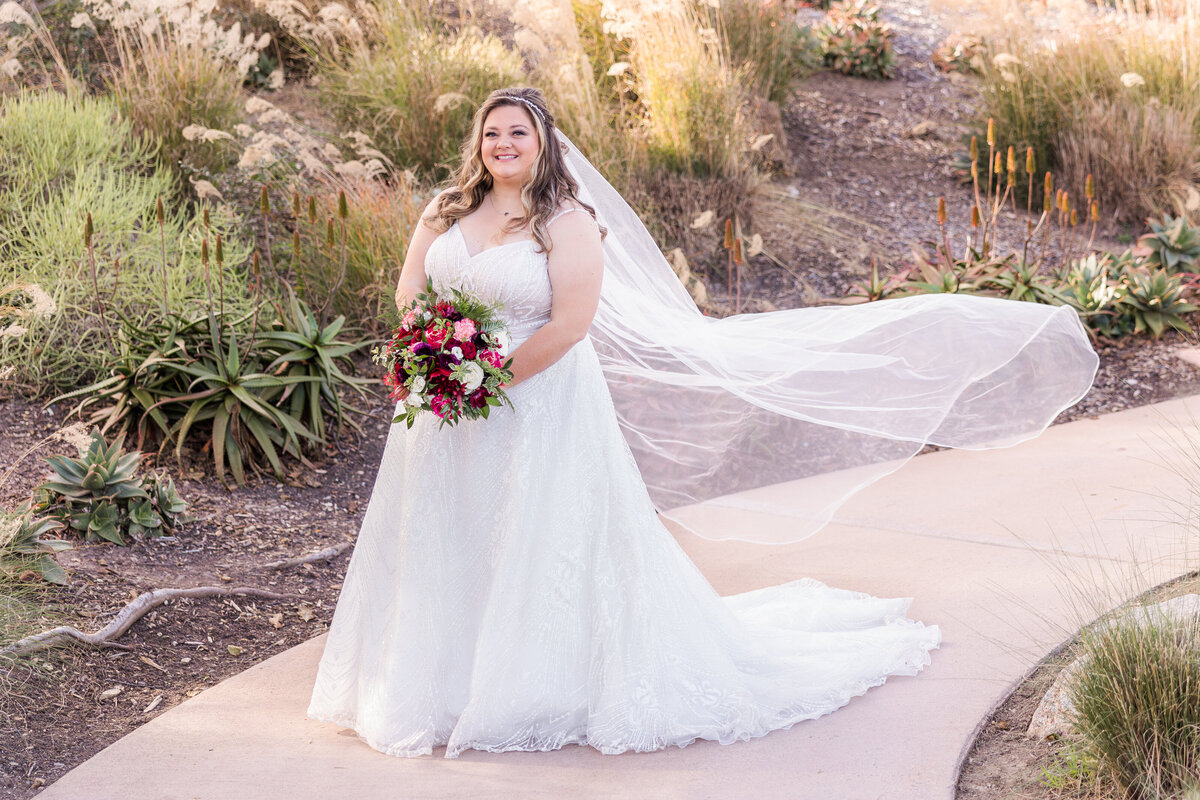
(513, 275)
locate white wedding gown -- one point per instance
(513, 589)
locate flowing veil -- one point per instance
(825, 399)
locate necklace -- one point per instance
(492, 201)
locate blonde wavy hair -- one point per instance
(550, 185)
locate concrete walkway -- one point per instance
(987, 542)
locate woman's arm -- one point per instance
(412, 275)
(576, 266)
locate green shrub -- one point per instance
(414, 92)
(1137, 702)
(856, 42)
(100, 495)
(82, 148)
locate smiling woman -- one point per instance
(513, 587)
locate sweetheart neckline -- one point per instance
(462, 238)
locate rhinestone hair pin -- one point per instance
(532, 107)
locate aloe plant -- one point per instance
(21, 541)
(305, 349)
(1172, 244)
(100, 495)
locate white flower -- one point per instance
(457, 351)
(206, 191)
(242, 129)
(418, 384)
(414, 399)
(472, 376)
(275, 80)
(503, 341)
(11, 67)
(1132, 79)
(82, 20)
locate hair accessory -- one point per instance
(531, 105)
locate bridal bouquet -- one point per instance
(448, 353)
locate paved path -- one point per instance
(985, 541)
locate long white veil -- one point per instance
(827, 399)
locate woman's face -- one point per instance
(510, 144)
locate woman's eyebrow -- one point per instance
(511, 127)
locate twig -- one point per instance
(327, 553)
(130, 614)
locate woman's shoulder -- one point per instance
(564, 210)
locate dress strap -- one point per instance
(565, 211)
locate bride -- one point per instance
(513, 586)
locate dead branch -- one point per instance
(328, 552)
(127, 616)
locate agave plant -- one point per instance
(856, 41)
(1021, 280)
(21, 540)
(1171, 244)
(1155, 299)
(100, 495)
(1095, 289)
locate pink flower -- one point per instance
(409, 319)
(435, 335)
(492, 357)
(439, 406)
(464, 329)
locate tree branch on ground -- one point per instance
(327, 553)
(127, 616)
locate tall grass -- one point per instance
(1137, 703)
(380, 219)
(162, 85)
(764, 44)
(415, 90)
(83, 149)
(1103, 89)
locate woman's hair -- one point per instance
(550, 185)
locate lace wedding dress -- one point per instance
(513, 589)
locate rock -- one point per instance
(1052, 717)
(921, 129)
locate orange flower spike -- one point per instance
(1029, 161)
(729, 234)
(1074, 218)
(1095, 211)
(991, 133)
(941, 211)
(220, 251)
(204, 251)
(1090, 188)
(975, 220)
(974, 148)
(1049, 182)
(264, 200)
(296, 203)
(998, 167)
(1012, 159)
(87, 230)
(737, 252)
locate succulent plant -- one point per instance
(1171, 244)
(21, 540)
(1095, 290)
(856, 41)
(1155, 299)
(100, 495)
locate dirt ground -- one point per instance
(859, 172)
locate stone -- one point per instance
(1052, 717)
